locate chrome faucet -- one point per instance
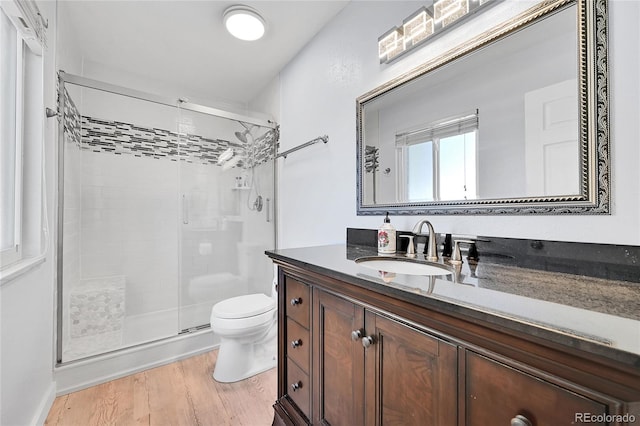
(432, 250)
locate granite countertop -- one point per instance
(597, 315)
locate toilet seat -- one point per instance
(243, 306)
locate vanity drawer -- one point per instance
(298, 299)
(497, 393)
(298, 344)
(298, 385)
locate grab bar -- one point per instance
(324, 139)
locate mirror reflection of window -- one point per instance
(419, 167)
(458, 167)
(438, 162)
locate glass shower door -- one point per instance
(226, 193)
(119, 265)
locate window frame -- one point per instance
(433, 133)
(14, 254)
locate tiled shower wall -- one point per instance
(129, 227)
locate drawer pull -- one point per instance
(356, 335)
(295, 386)
(367, 341)
(520, 420)
(296, 301)
(296, 343)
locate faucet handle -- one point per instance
(456, 257)
(411, 250)
(446, 246)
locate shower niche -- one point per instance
(153, 225)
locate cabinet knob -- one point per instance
(356, 335)
(520, 420)
(295, 386)
(296, 301)
(367, 341)
(296, 343)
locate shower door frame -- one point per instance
(180, 103)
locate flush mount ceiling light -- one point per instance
(244, 22)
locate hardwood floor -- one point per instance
(182, 393)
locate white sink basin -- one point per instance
(402, 266)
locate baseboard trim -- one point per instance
(45, 406)
(83, 374)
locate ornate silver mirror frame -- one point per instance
(593, 109)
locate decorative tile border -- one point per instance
(72, 121)
(119, 138)
(371, 157)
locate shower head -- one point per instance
(245, 136)
(242, 136)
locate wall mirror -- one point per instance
(514, 121)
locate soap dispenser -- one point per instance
(386, 237)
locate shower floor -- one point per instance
(136, 329)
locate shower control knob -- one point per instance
(296, 301)
(295, 386)
(296, 343)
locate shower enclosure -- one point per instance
(166, 208)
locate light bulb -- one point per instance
(244, 22)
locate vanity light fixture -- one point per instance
(417, 27)
(423, 24)
(390, 44)
(244, 22)
(447, 12)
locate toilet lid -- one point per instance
(244, 306)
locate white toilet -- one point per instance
(247, 326)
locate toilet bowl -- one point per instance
(247, 329)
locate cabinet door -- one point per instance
(500, 395)
(338, 361)
(411, 377)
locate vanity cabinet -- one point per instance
(294, 346)
(410, 376)
(374, 370)
(339, 360)
(350, 355)
(499, 394)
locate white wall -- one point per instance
(27, 302)
(318, 91)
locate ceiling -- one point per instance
(184, 44)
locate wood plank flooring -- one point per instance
(180, 394)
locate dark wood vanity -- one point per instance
(353, 351)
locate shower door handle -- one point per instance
(268, 210)
(185, 210)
